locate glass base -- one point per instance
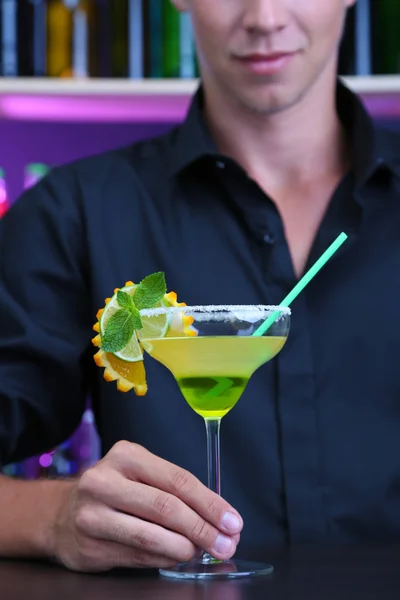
(216, 569)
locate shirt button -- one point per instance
(269, 238)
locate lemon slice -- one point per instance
(126, 367)
(112, 306)
(154, 327)
(132, 352)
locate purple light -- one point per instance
(45, 460)
(383, 105)
(117, 109)
(3, 192)
(30, 181)
(85, 451)
(134, 108)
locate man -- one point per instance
(274, 160)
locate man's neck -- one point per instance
(296, 146)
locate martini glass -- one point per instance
(212, 361)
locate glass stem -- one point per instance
(213, 465)
(213, 454)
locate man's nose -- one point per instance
(265, 16)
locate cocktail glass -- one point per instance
(212, 366)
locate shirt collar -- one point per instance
(193, 138)
(371, 148)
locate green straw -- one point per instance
(299, 287)
(223, 383)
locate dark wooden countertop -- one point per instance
(302, 573)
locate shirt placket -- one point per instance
(295, 400)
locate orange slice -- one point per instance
(132, 375)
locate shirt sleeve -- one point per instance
(45, 326)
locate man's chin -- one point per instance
(267, 105)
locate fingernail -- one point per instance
(230, 522)
(223, 544)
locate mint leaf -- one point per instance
(124, 299)
(150, 291)
(119, 331)
(137, 321)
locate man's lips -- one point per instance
(266, 64)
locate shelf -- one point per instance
(117, 100)
(95, 100)
(96, 87)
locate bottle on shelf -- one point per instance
(149, 38)
(136, 40)
(385, 23)
(188, 61)
(71, 38)
(153, 35)
(59, 38)
(120, 31)
(170, 52)
(363, 55)
(9, 38)
(84, 40)
(346, 64)
(102, 33)
(31, 31)
(119, 20)
(95, 38)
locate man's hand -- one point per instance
(133, 509)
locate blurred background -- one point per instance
(78, 77)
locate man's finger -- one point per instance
(136, 463)
(162, 508)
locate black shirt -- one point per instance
(311, 452)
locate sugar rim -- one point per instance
(216, 308)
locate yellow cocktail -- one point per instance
(212, 372)
(212, 360)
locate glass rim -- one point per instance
(217, 308)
